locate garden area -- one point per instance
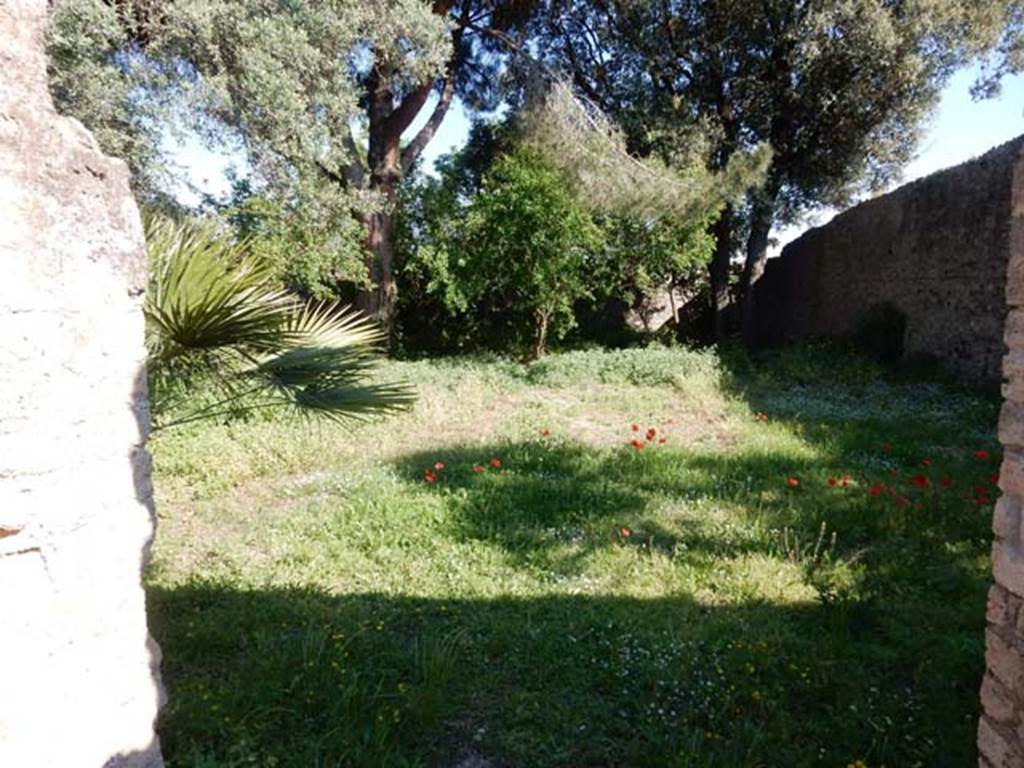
(652, 557)
(477, 456)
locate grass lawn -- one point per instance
(709, 600)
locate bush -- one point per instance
(511, 263)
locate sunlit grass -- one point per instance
(587, 603)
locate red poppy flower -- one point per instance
(661, 441)
(994, 478)
(624, 532)
(921, 481)
(651, 433)
(926, 462)
(886, 447)
(832, 481)
(981, 455)
(846, 481)
(762, 417)
(438, 465)
(638, 444)
(902, 501)
(496, 463)
(981, 490)
(876, 489)
(478, 468)
(429, 477)
(947, 482)
(546, 432)
(635, 427)
(793, 482)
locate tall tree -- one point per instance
(838, 88)
(320, 94)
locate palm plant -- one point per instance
(223, 338)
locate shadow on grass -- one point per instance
(889, 674)
(300, 677)
(552, 505)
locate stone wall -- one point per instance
(1001, 728)
(79, 680)
(936, 249)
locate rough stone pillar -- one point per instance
(1001, 727)
(78, 672)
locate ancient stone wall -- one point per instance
(1001, 728)
(78, 684)
(936, 249)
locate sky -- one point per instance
(960, 129)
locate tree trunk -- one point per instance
(540, 334)
(388, 162)
(719, 271)
(378, 301)
(757, 254)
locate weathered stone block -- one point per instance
(1008, 568)
(997, 748)
(1002, 607)
(1004, 661)
(998, 702)
(910, 249)
(1011, 424)
(1006, 520)
(80, 685)
(1011, 473)
(1013, 333)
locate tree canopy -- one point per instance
(837, 89)
(319, 95)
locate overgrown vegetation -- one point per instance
(500, 252)
(502, 574)
(224, 339)
(647, 557)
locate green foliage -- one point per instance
(530, 245)
(281, 83)
(838, 89)
(94, 77)
(644, 255)
(223, 334)
(308, 257)
(591, 150)
(511, 261)
(445, 268)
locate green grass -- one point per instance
(319, 604)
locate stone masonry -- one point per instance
(936, 249)
(1001, 728)
(79, 679)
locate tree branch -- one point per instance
(412, 152)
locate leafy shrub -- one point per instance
(511, 263)
(498, 253)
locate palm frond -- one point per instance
(328, 325)
(330, 381)
(206, 293)
(217, 316)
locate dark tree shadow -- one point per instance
(300, 677)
